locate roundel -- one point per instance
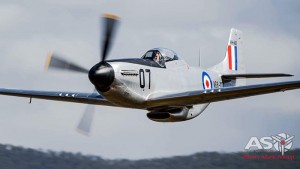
(206, 81)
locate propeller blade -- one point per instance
(110, 23)
(55, 62)
(85, 123)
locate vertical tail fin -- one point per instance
(233, 62)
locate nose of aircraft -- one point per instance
(102, 75)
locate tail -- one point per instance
(233, 62)
(232, 69)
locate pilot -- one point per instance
(156, 56)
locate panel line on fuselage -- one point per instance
(139, 61)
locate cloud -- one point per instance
(10, 16)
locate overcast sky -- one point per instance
(30, 29)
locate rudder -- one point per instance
(233, 63)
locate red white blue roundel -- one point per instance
(206, 81)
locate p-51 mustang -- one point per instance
(160, 82)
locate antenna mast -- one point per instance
(199, 59)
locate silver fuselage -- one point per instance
(134, 83)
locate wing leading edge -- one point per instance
(87, 98)
(179, 99)
(221, 94)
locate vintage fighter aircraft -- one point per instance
(160, 82)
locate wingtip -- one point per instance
(286, 75)
(48, 60)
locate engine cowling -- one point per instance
(176, 114)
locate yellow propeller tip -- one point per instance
(111, 16)
(48, 59)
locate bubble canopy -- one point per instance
(167, 54)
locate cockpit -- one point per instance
(161, 56)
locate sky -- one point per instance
(30, 29)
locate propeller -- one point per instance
(101, 75)
(111, 23)
(55, 62)
(85, 123)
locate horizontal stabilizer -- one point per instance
(253, 75)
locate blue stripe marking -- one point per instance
(236, 58)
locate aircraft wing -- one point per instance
(87, 98)
(221, 94)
